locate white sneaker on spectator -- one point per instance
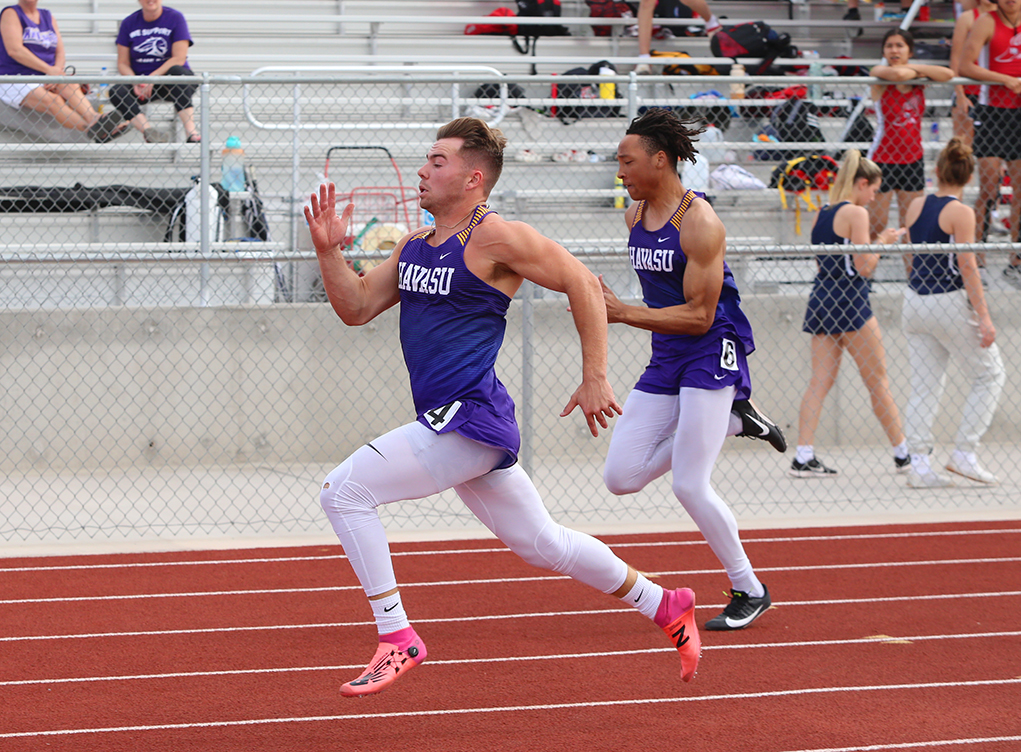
(643, 69)
(1012, 276)
(930, 479)
(966, 464)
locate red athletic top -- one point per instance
(1002, 55)
(898, 137)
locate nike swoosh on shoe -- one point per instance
(760, 424)
(738, 623)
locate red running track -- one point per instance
(881, 638)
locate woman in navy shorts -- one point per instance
(839, 316)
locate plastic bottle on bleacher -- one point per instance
(232, 168)
(103, 93)
(737, 89)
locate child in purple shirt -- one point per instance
(154, 41)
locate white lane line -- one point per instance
(473, 618)
(504, 550)
(917, 745)
(404, 714)
(499, 580)
(504, 659)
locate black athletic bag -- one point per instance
(752, 39)
(588, 91)
(537, 9)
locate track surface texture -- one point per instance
(902, 637)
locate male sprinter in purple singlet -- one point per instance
(454, 283)
(695, 391)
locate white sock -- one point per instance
(753, 587)
(389, 613)
(901, 450)
(805, 453)
(645, 596)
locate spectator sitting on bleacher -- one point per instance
(669, 9)
(154, 41)
(32, 46)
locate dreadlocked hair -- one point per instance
(662, 130)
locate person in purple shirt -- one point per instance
(154, 41)
(695, 391)
(454, 283)
(32, 46)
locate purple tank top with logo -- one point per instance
(39, 38)
(452, 327)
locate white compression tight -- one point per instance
(412, 462)
(683, 433)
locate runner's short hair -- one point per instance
(482, 147)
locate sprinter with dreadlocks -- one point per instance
(695, 391)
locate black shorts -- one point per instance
(997, 132)
(902, 177)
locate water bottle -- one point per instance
(232, 167)
(879, 9)
(934, 133)
(103, 95)
(618, 193)
(607, 91)
(814, 69)
(737, 89)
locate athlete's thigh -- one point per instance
(646, 421)
(412, 462)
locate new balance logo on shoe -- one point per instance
(679, 638)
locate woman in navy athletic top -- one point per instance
(839, 316)
(945, 313)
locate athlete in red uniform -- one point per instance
(897, 146)
(995, 42)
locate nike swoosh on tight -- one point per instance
(737, 623)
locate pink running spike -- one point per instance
(676, 617)
(389, 663)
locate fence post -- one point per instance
(204, 183)
(527, 354)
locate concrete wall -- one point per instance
(121, 387)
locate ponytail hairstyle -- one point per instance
(662, 130)
(955, 164)
(853, 167)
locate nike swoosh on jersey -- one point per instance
(662, 240)
(444, 255)
(738, 623)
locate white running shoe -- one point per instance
(966, 464)
(930, 479)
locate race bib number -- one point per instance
(441, 416)
(728, 355)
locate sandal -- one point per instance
(108, 127)
(194, 139)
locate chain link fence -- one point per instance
(170, 367)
